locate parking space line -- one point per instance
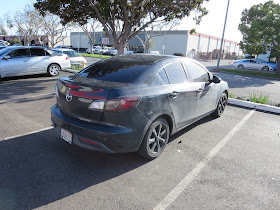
(24, 98)
(32, 132)
(171, 197)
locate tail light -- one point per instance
(120, 104)
(67, 58)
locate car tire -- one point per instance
(53, 70)
(265, 68)
(240, 66)
(221, 106)
(155, 139)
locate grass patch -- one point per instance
(260, 98)
(95, 55)
(231, 95)
(254, 73)
(76, 67)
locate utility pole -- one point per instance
(221, 47)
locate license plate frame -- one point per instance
(66, 135)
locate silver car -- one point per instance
(19, 60)
(256, 64)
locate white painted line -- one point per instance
(24, 98)
(32, 132)
(253, 105)
(171, 197)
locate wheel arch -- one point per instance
(54, 63)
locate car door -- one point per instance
(251, 64)
(39, 61)
(17, 64)
(206, 91)
(182, 96)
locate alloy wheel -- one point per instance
(158, 138)
(222, 104)
(54, 69)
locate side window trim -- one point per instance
(163, 83)
(177, 61)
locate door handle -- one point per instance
(199, 90)
(173, 95)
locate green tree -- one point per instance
(14, 41)
(260, 27)
(121, 19)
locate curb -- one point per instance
(248, 104)
(70, 71)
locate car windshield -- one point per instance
(71, 53)
(3, 51)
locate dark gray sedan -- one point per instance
(135, 102)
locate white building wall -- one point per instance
(170, 43)
(213, 45)
(80, 40)
(192, 46)
(203, 44)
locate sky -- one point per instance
(211, 24)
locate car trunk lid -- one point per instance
(75, 94)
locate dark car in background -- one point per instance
(135, 102)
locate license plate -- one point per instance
(66, 135)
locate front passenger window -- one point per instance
(197, 73)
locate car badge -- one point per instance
(68, 97)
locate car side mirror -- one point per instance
(6, 57)
(216, 79)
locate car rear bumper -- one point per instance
(97, 136)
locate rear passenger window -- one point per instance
(37, 52)
(176, 73)
(163, 77)
(197, 73)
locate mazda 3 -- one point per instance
(135, 102)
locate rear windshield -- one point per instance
(124, 71)
(71, 53)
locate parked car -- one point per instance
(3, 44)
(106, 51)
(19, 60)
(102, 50)
(88, 51)
(256, 64)
(135, 102)
(154, 52)
(74, 57)
(115, 52)
(64, 46)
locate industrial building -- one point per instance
(195, 45)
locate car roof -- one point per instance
(144, 59)
(25, 47)
(62, 49)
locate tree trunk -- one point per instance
(91, 46)
(121, 47)
(278, 64)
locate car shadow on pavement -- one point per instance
(185, 130)
(40, 168)
(23, 87)
(240, 81)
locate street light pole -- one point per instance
(221, 47)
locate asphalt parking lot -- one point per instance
(226, 163)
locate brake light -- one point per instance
(67, 58)
(120, 104)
